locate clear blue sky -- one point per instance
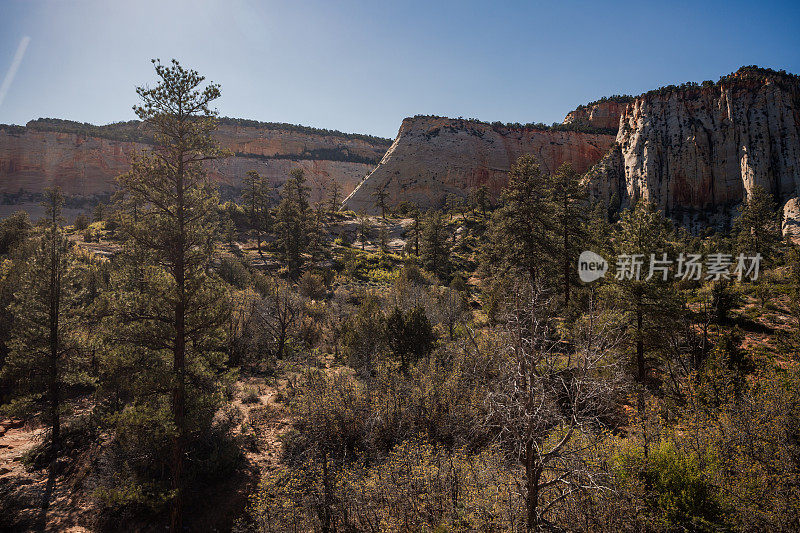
(363, 66)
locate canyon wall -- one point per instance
(603, 114)
(33, 158)
(701, 148)
(433, 157)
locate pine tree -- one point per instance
(416, 230)
(364, 230)
(757, 228)
(409, 335)
(293, 220)
(256, 196)
(482, 199)
(380, 201)
(570, 201)
(14, 233)
(170, 308)
(643, 231)
(335, 195)
(316, 247)
(434, 245)
(45, 352)
(521, 233)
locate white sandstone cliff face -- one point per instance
(702, 149)
(433, 157)
(603, 115)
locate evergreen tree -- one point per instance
(364, 230)
(317, 241)
(757, 228)
(409, 335)
(45, 353)
(98, 214)
(13, 231)
(380, 201)
(482, 199)
(434, 245)
(334, 195)
(643, 232)
(256, 196)
(416, 230)
(293, 221)
(570, 202)
(170, 308)
(521, 233)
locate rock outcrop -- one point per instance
(85, 164)
(701, 148)
(433, 157)
(603, 114)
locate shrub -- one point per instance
(81, 222)
(677, 491)
(234, 272)
(312, 285)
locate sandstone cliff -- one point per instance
(435, 156)
(603, 114)
(84, 164)
(700, 148)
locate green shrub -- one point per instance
(677, 491)
(81, 222)
(234, 272)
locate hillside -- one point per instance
(433, 157)
(83, 159)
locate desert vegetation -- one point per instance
(267, 364)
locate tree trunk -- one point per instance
(179, 367)
(53, 386)
(566, 254)
(533, 474)
(640, 366)
(55, 301)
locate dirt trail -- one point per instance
(22, 490)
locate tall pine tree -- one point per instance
(170, 308)
(570, 204)
(521, 233)
(293, 219)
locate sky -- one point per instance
(362, 66)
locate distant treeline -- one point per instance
(319, 154)
(13, 129)
(782, 78)
(618, 98)
(538, 126)
(247, 123)
(131, 131)
(135, 131)
(70, 201)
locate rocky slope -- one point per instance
(84, 159)
(435, 156)
(696, 150)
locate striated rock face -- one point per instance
(603, 115)
(702, 148)
(434, 156)
(790, 225)
(84, 165)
